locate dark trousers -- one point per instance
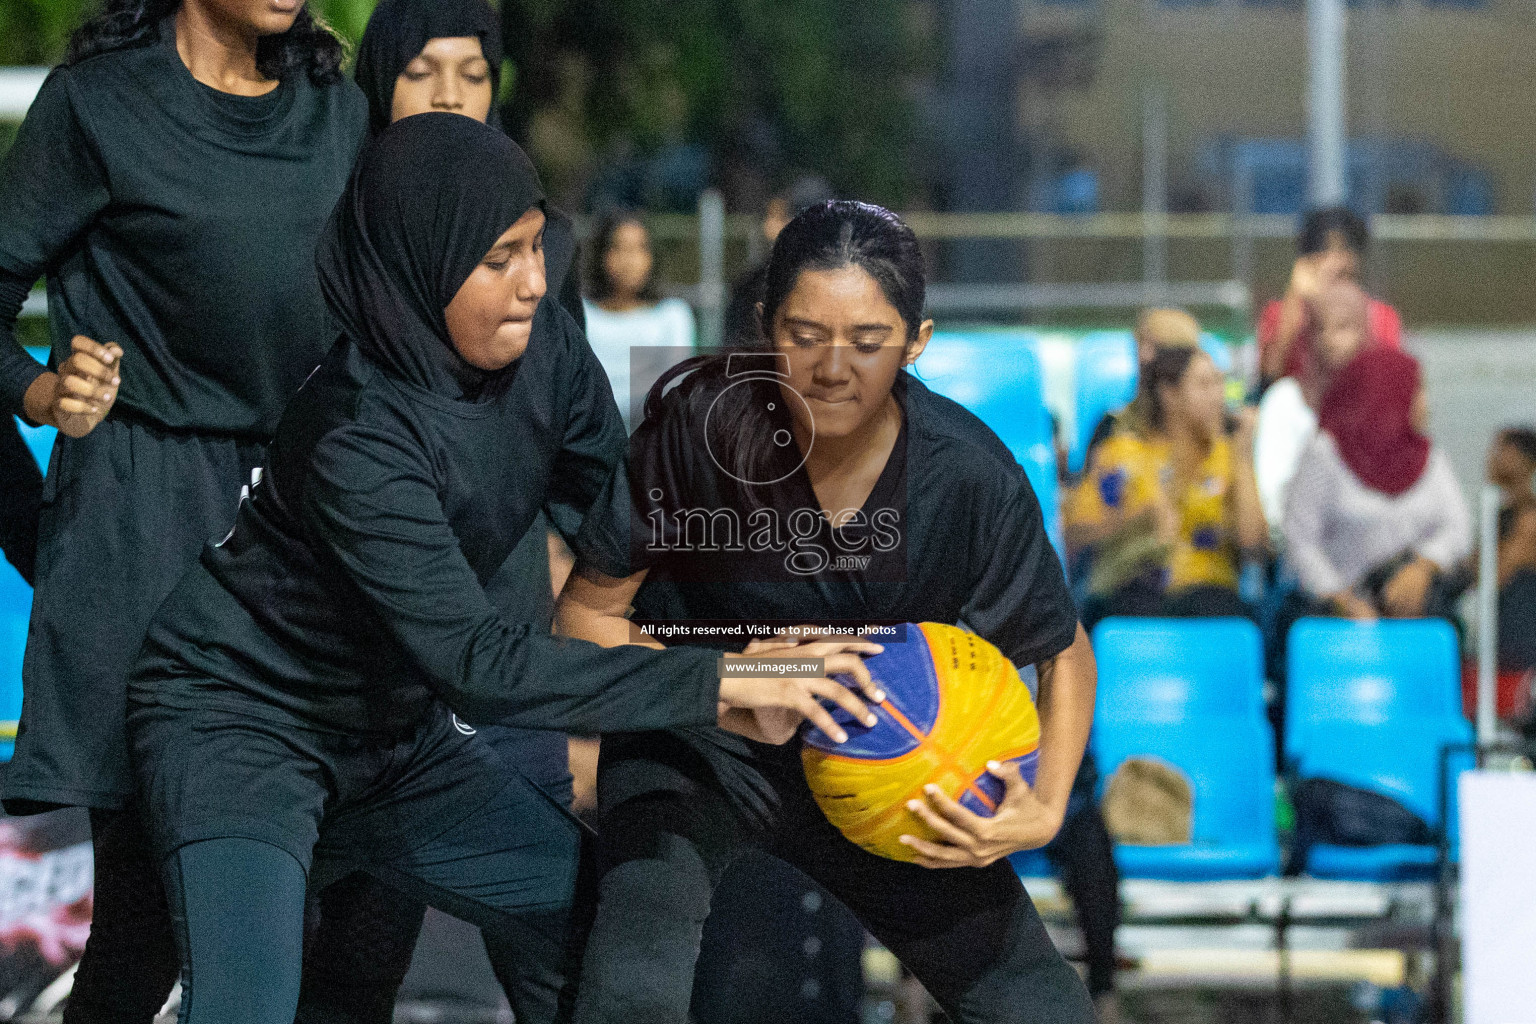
(130, 961)
(237, 906)
(21, 498)
(1142, 598)
(1084, 856)
(358, 952)
(971, 936)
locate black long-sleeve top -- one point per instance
(350, 594)
(179, 222)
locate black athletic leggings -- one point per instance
(237, 907)
(1084, 856)
(353, 962)
(358, 952)
(130, 961)
(971, 936)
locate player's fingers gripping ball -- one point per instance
(952, 703)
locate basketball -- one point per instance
(953, 702)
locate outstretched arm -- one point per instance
(595, 607)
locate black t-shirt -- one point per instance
(180, 223)
(952, 533)
(351, 593)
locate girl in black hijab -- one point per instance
(294, 711)
(418, 56)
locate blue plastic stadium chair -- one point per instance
(1031, 864)
(1106, 381)
(996, 375)
(1372, 705)
(1191, 692)
(1219, 351)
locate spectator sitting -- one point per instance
(1169, 509)
(1331, 243)
(626, 313)
(1156, 329)
(1375, 520)
(1286, 421)
(1511, 465)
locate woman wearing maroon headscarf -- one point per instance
(1375, 520)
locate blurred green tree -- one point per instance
(33, 32)
(768, 88)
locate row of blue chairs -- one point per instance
(999, 375)
(1368, 705)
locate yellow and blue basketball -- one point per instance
(953, 702)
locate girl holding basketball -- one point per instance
(815, 480)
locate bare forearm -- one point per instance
(1292, 321)
(596, 609)
(1067, 686)
(1247, 511)
(1114, 525)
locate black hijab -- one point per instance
(397, 32)
(400, 29)
(426, 201)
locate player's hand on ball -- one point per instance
(79, 396)
(777, 705)
(965, 840)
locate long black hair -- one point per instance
(309, 46)
(1166, 370)
(599, 283)
(829, 236)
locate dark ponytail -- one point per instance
(841, 233)
(309, 46)
(828, 236)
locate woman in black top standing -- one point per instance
(816, 481)
(169, 181)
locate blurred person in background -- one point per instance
(1511, 466)
(21, 498)
(626, 312)
(1287, 421)
(1331, 246)
(741, 327)
(1156, 329)
(1168, 512)
(1374, 519)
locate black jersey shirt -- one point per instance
(351, 593)
(180, 223)
(952, 532)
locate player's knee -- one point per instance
(675, 890)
